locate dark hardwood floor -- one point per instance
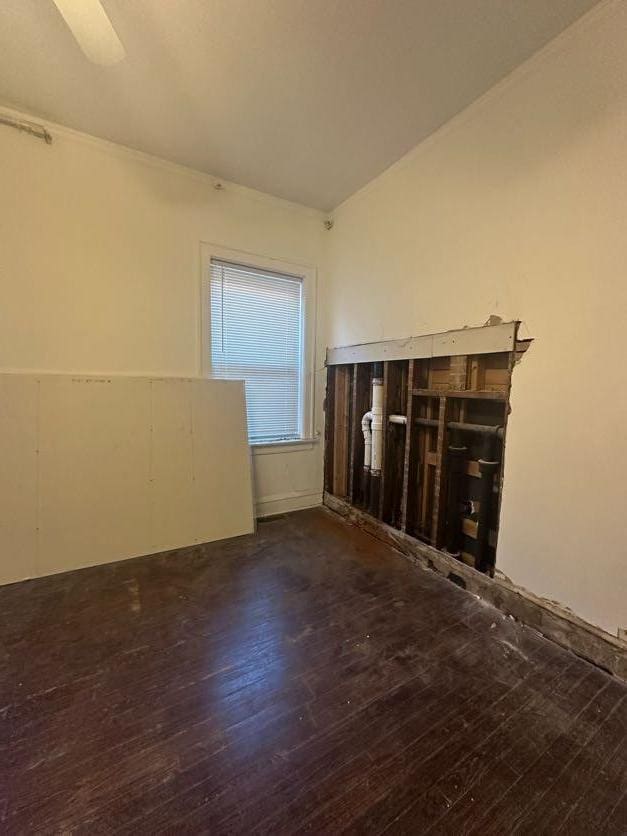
(306, 679)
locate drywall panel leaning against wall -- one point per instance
(98, 469)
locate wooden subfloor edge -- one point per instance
(561, 626)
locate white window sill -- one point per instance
(294, 446)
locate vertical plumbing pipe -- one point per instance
(456, 460)
(365, 479)
(365, 428)
(488, 466)
(377, 437)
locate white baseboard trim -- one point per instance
(282, 503)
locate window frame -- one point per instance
(307, 274)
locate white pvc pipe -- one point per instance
(397, 419)
(365, 428)
(377, 425)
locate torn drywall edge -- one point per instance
(484, 339)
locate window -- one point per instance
(257, 334)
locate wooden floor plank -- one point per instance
(302, 679)
(559, 799)
(591, 810)
(614, 824)
(477, 774)
(516, 807)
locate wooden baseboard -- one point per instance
(552, 621)
(269, 506)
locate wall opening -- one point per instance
(427, 460)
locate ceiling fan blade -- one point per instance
(91, 27)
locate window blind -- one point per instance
(256, 335)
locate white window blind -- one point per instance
(256, 335)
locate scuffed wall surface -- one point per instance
(517, 208)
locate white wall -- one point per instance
(518, 208)
(100, 269)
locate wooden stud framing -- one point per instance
(425, 466)
(394, 437)
(512, 359)
(458, 372)
(329, 429)
(430, 392)
(461, 393)
(409, 463)
(386, 390)
(439, 486)
(341, 411)
(360, 403)
(353, 450)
